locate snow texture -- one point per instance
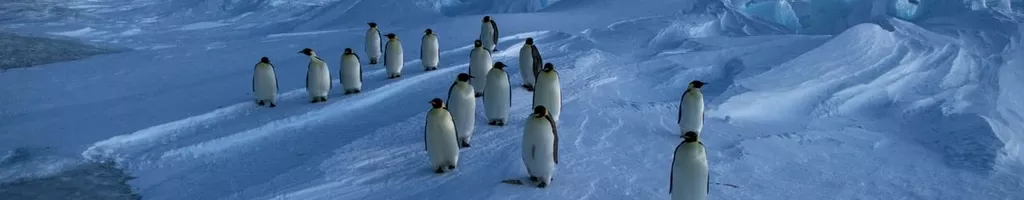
(843, 99)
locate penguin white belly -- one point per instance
(692, 118)
(526, 65)
(395, 60)
(496, 102)
(689, 177)
(373, 44)
(266, 84)
(487, 36)
(548, 93)
(462, 105)
(479, 64)
(538, 149)
(442, 146)
(350, 77)
(319, 80)
(430, 54)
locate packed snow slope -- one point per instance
(903, 107)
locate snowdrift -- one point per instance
(26, 51)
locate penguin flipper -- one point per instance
(384, 54)
(421, 48)
(277, 84)
(307, 77)
(708, 182)
(538, 62)
(554, 131)
(494, 25)
(254, 68)
(509, 79)
(679, 116)
(425, 127)
(673, 170)
(450, 90)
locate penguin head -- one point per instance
(487, 19)
(464, 77)
(264, 59)
(372, 24)
(697, 84)
(428, 31)
(307, 51)
(540, 111)
(478, 43)
(529, 41)
(690, 136)
(499, 66)
(348, 50)
(548, 67)
(436, 103)
(391, 35)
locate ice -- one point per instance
(841, 99)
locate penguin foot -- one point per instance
(528, 87)
(259, 103)
(542, 185)
(355, 91)
(451, 167)
(440, 170)
(501, 122)
(479, 95)
(273, 105)
(398, 75)
(315, 100)
(323, 99)
(464, 145)
(348, 91)
(533, 178)
(492, 122)
(373, 61)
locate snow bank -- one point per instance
(25, 51)
(930, 87)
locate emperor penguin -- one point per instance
(530, 63)
(489, 34)
(264, 83)
(540, 146)
(430, 51)
(479, 64)
(548, 91)
(393, 58)
(318, 77)
(351, 72)
(463, 107)
(499, 96)
(373, 43)
(688, 179)
(439, 138)
(691, 109)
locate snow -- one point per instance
(805, 100)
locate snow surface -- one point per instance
(807, 100)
